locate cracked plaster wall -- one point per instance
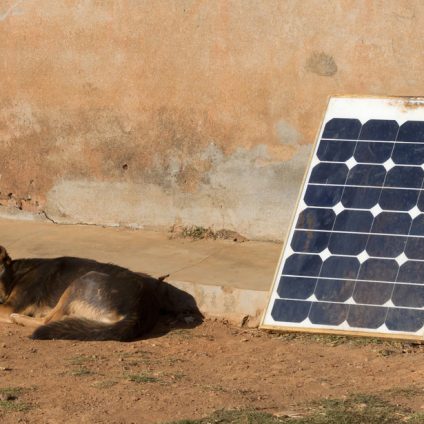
(193, 112)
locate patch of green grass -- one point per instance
(9, 402)
(106, 384)
(357, 409)
(10, 405)
(81, 372)
(143, 378)
(406, 392)
(83, 359)
(235, 417)
(11, 391)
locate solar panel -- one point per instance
(353, 261)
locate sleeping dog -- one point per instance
(75, 298)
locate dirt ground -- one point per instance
(191, 372)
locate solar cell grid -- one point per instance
(354, 259)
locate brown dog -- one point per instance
(75, 298)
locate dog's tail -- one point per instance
(83, 329)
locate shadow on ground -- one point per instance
(179, 310)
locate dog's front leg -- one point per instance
(26, 321)
(5, 312)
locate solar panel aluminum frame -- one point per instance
(363, 108)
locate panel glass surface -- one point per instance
(354, 257)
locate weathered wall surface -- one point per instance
(191, 112)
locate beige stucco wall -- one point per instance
(194, 112)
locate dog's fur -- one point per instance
(75, 298)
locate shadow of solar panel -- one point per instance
(354, 261)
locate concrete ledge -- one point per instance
(239, 306)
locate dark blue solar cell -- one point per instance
(391, 223)
(411, 272)
(360, 197)
(359, 221)
(323, 195)
(412, 131)
(385, 246)
(408, 295)
(373, 152)
(379, 129)
(328, 313)
(335, 150)
(415, 248)
(408, 154)
(362, 316)
(410, 320)
(392, 199)
(420, 203)
(290, 310)
(316, 219)
(366, 175)
(378, 269)
(371, 293)
(298, 264)
(296, 287)
(404, 176)
(334, 290)
(329, 173)
(310, 241)
(347, 243)
(342, 128)
(340, 267)
(417, 227)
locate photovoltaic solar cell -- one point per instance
(354, 257)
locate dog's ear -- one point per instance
(4, 257)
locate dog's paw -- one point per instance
(13, 318)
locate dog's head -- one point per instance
(5, 262)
